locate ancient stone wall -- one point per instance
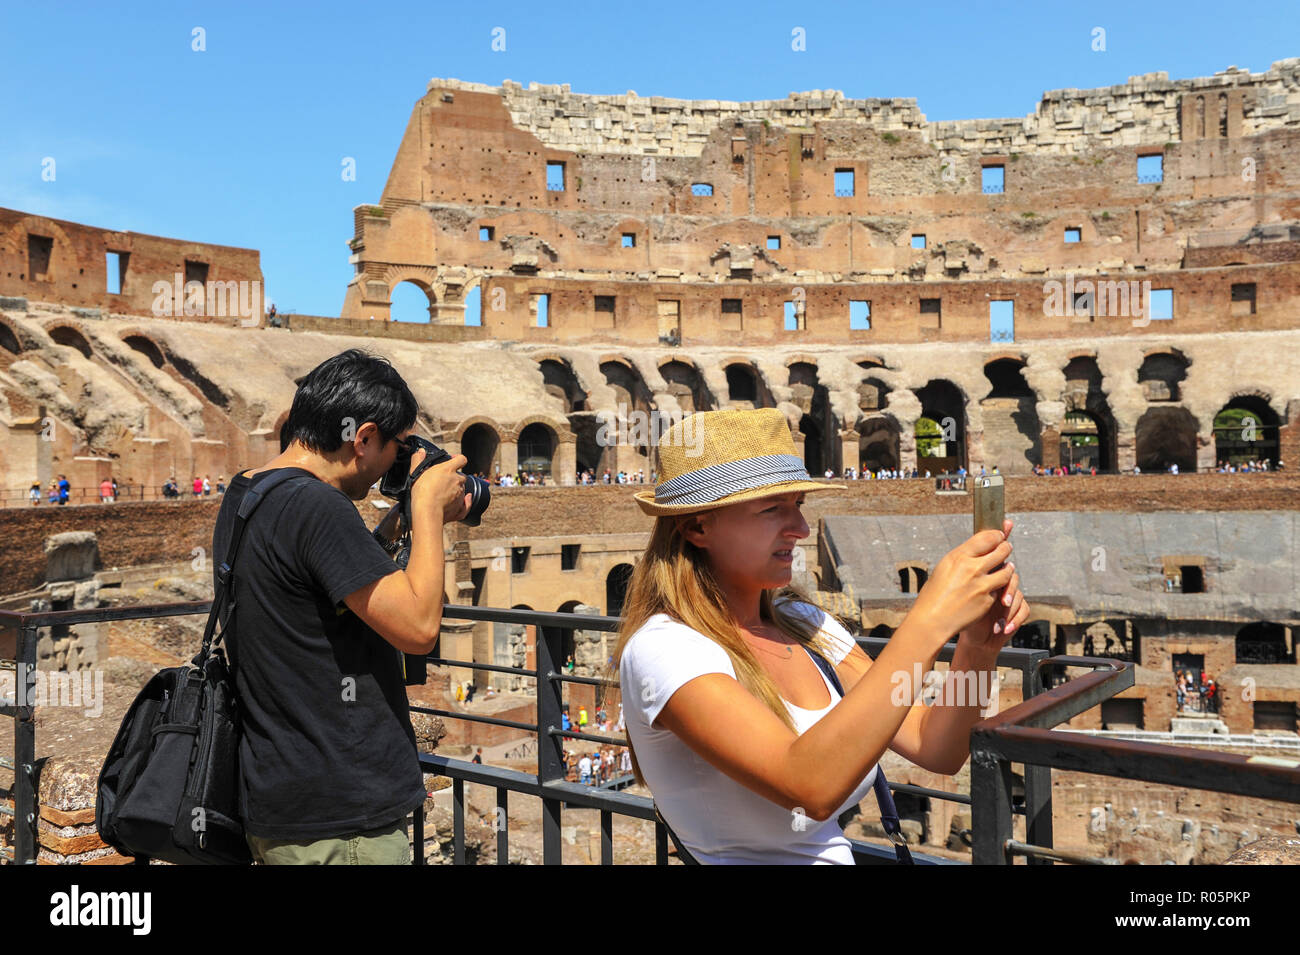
(50, 260)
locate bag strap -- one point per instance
(225, 572)
(888, 811)
(683, 853)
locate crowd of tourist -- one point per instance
(1196, 694)
(950, 480)
(60, 490)
(598, 766)
(58, 493)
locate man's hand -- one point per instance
(440, 489)
(995, 629)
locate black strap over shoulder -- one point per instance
(888, 811)
(221, 593)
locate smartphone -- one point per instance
(990, 506)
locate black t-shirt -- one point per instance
(327, 746)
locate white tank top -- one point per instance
(716, 818)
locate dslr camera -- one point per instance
(394, 531)
(397, 483)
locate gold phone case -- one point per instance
(990, 507)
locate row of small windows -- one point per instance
(1160, 306)
(40, 252)
(993, 178)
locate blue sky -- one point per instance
(242, 143)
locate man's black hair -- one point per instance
(356, 385)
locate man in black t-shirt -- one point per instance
(328, 765)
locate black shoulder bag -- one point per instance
(888, 812)
(169, 788)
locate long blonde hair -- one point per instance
(673, 577)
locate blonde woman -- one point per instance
(749, 750)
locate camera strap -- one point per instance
(221, 603)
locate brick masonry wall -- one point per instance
(155, 532)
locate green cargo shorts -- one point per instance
(386, 845)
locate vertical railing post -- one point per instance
(458, 821)
(502, 823)
(25, 748)
(550, 749)
(417, 835)
(990, 796)
(1038, 779)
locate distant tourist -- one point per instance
(65, 489)
(106, 491)
(35, 493)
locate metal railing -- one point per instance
(1022, 734)
(556, 793)
(80, 496)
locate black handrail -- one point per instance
(549, 783)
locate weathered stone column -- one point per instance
(565, 462)
(849, 449)
(1050, 441)
(508, 453)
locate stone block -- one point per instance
(72, 555)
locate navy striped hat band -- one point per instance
(720, 480)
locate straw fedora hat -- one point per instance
(715, 458)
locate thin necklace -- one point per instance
(789, 651)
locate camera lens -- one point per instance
(479, 499)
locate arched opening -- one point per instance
(147, 348)
(1264, 642)
(480, 445)
(411, 302)
(1245, 429)
(686, 384)
(9, 341)
(817, 424)
(1012, 433)
(559, 380)
(813, 450)
(66, 335)
(1160, 375)
(568, 644)
(911, 578)
(1089, 439)
(941, 429)
(880, 631)
(1166, 436)
(1081, 442)
(878, 443)
(537, 444)
(616, 583)
(872, 394)
(633, 404)
(742, 384)
(630, 390)
(1006, 379)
